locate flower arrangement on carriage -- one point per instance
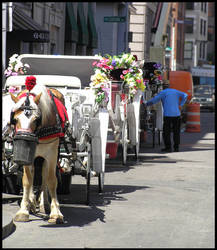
(16, 67)
(118, 67)
(153, 73)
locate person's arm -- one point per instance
(184, 99)
(154, 100)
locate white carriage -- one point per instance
(83, 151)
(124, 125)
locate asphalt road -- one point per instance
(161, 201)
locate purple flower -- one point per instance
(113, 62)
(157, 65)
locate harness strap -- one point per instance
(59, 123)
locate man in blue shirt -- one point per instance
(170, 99)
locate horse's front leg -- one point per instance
(55, 215)
(44, 203)
(28, 201)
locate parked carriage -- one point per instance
(82, 150)
(126, 86)
(124, 126)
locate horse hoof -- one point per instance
(22, 218)
(56, 221)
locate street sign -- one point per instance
(117, 19)
(168, 48)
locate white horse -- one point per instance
(34, 110)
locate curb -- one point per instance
(8, 226)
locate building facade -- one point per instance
(140, 26)
(65, 28)
(196, 34)
(177, 36)
(211, 33)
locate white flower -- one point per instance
(26, 65)
(140, 72)
(131, 84)
(17, 66)
(13, 58)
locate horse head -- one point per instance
(26, 114)
(26, 118)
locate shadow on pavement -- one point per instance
(75, 215)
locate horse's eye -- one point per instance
(28, 113)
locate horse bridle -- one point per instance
(27, 112)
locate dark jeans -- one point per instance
(171, 124)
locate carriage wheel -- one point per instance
(124, 142)
(101, 181)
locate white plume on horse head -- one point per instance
(45, 103)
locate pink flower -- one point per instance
(121, 76)
(12, 89)
(138, 80)
(99, 65)
(125, 72)
(94, 63)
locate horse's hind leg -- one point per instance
(23, 213)
(55, 215)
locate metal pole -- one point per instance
(4, 31)
(173, 66)
(10, 12)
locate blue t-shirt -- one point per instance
(170, 99)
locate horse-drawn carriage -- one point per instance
(124, 97)
(77, 147)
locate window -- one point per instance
(205, 7)
(189, 25)
(188, 50)
(189, 6)
(202, 50)
(204, 30)
(201, 26)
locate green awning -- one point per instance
(93, 38)
(71, 29)
(83, 36)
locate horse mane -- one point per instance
(45, 103)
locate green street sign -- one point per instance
(168, 48)
(117, 19)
